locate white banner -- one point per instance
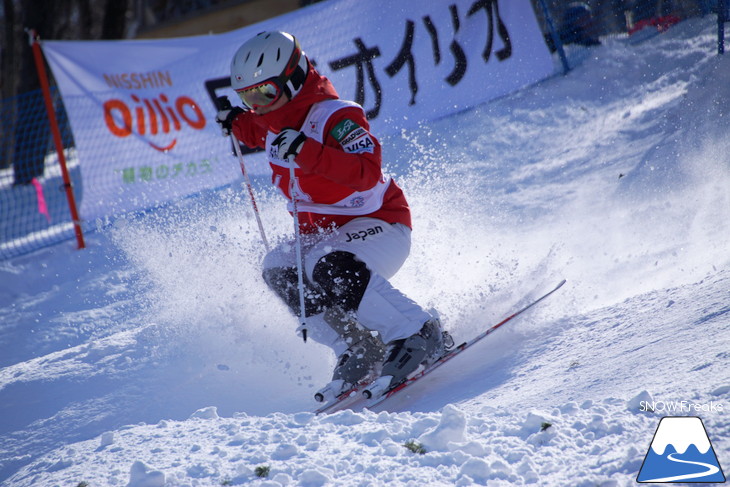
(142, 111)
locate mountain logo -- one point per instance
(681, 452)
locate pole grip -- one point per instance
(223, 103)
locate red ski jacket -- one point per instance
(346, 163)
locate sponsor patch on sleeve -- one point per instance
(352, 137)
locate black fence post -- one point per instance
(721, 18)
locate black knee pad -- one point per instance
(342, 278)
(284, 281)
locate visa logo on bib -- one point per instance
(681, 452)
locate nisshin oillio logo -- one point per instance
(153, 118)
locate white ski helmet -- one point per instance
(264, 67)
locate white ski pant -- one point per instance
(383, 247)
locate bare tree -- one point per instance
(58, 20)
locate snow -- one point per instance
(157, 357)
(688, 430)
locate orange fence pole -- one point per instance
(42, 76)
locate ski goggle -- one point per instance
(261, 95)
(268, 92)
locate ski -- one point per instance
(456, 351)
(354, 394)
(345, 399)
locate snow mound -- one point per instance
(460, 448)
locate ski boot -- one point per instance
(405, 355)
(360, 362)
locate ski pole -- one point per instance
(298, 238)
(250, 191)
(224, 104)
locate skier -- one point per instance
(354, 222)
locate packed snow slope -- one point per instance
(158, 357)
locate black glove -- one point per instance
(225, 118)
(290, 142)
